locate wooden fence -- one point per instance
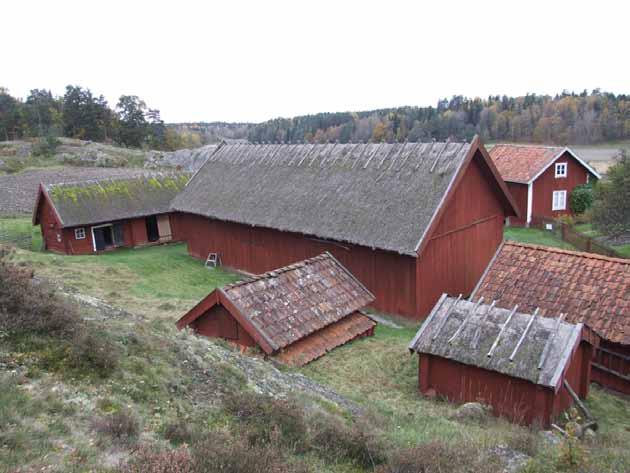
(571, 235)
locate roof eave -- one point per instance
(566, 149)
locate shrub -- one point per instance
(438, 457)
(149, 460)
(122, 426)
(13, 164)
(46, 146)
(264, 417)
(218, 452)
(581, 199)
(178, 432)
(611, 206)
(356, 442)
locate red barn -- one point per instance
(588, 288)
(92, 216)
(523, 366)
(297, 313)
(410, 221)
(541, 178)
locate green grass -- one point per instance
(536, 237)
(21, 231)
(588, 230)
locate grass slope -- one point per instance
(536, 237)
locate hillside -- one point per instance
(146, 387)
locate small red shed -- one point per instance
(541, 178)
(297, 313)
(97, 215)
(522, 365)
(589, 288)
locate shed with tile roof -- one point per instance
(97, 215)
(541, 178)
(297, 313)
(588, 288)
(521, 364)
(410, 220)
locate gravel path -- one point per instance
(18, 191)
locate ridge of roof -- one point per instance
(581, 254)
(148, 174)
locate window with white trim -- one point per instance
(79, 233)
(559, 200)
(561, 169)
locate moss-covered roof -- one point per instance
(90, 202)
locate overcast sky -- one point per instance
(256, 60)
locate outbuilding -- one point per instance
(527, 368)
(99, 215)
(296, 314)
(588, 288)
(410, 220)
(541, 178)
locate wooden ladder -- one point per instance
(213, 260)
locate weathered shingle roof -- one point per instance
(293, 302)
(376, 195)
(521, 163)
(105, 200)
(589, 288)
(466, 332)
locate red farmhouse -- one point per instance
(522, 365)
(588, 288)
(410, 221)
(541, 178)
(92, 216)
(297, 313)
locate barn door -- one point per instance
(164, 228)
(119, 234)
(152, 228)
(99, 239)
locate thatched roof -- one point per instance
(466, 331)
(376, 195)
(106, 200)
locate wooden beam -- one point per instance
(469, 314)
(578, 401)
(482, 324)
(446, 316)
(496, 341)
(524, 335)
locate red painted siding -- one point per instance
(52, 233)
(547, 183)
(612, 357)
(464, 242)
(218, 322)
(519, 192)
(517, 399)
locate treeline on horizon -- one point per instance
(567, 118)
(81, 114)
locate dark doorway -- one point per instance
(103, 238)
(119, 234)
(152, 228)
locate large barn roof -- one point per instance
(376, 195)
(315, 302)
(517, 344)
(105, 200)
(524, 163)
(589, 288)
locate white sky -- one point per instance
(255, 60)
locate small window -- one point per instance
(561, 169)
(559, 200)
(79, 233)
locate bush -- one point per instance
(581, 199)
(264, 418)
(13, 164)
(438, 457)
(46, 146)
(122, 426)
(149, 460)
(219, 452)
(356, 442)
(611, 207)
(178, 432)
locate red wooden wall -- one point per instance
(52, 233)
(519, 192)
(547, 183)
(612, 357)
(464, 242)
(519, 400)
(218, 322)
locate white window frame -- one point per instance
(564, 166)
(79, 233)
(557, 197)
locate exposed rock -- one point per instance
(513, 460)
(549, 437)
(184, 159)
(471, 411)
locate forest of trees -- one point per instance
(567, 118)
(81, 114)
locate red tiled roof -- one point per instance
(293, 302)
(321, 342)
(588, 288)
(520, 163)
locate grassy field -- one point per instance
(536, 237)
(52, 412)
(588, 230)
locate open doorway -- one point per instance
(103, 237)
(153, 233)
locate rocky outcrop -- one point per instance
(183, 159)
